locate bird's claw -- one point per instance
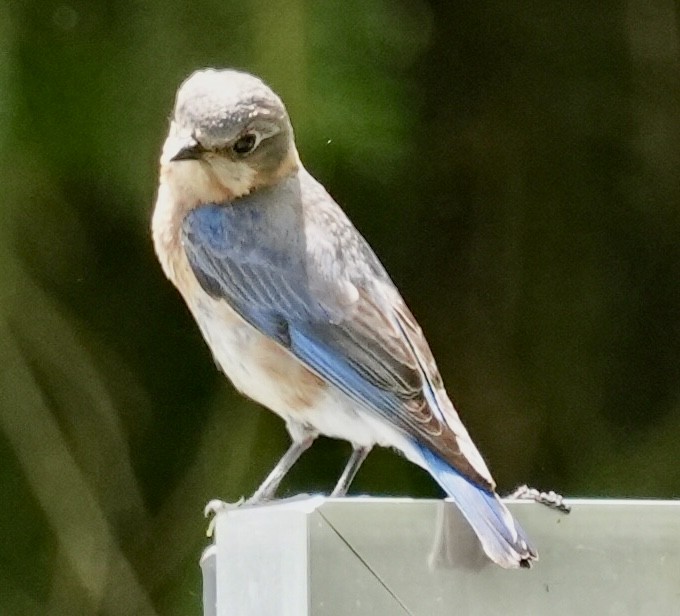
(214, 507)
(549, 499)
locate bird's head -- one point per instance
(229, 135)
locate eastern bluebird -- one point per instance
(298, 311)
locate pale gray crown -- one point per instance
(215, 106)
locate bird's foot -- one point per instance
(549, 499)
(214, 507)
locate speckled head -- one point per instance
(234, 127)
(219, 106)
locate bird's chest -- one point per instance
(232, 341)
(257, 366)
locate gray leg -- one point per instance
(266, 491)
(549, 499)
(357, 458)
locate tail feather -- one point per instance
(501, 536)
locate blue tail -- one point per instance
(501, 536)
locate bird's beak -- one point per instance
(190, 150)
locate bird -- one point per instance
(297, 309)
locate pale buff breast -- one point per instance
(257, 366)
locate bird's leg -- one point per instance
(549, 499)
(357, 458)
(302, 440)
(267, 489)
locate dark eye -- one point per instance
(244, 145)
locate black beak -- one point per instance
(191, 151)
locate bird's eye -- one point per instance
(244, 145)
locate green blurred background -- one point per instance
(514, 164)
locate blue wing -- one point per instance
(366, 344)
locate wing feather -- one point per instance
(370, 348)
